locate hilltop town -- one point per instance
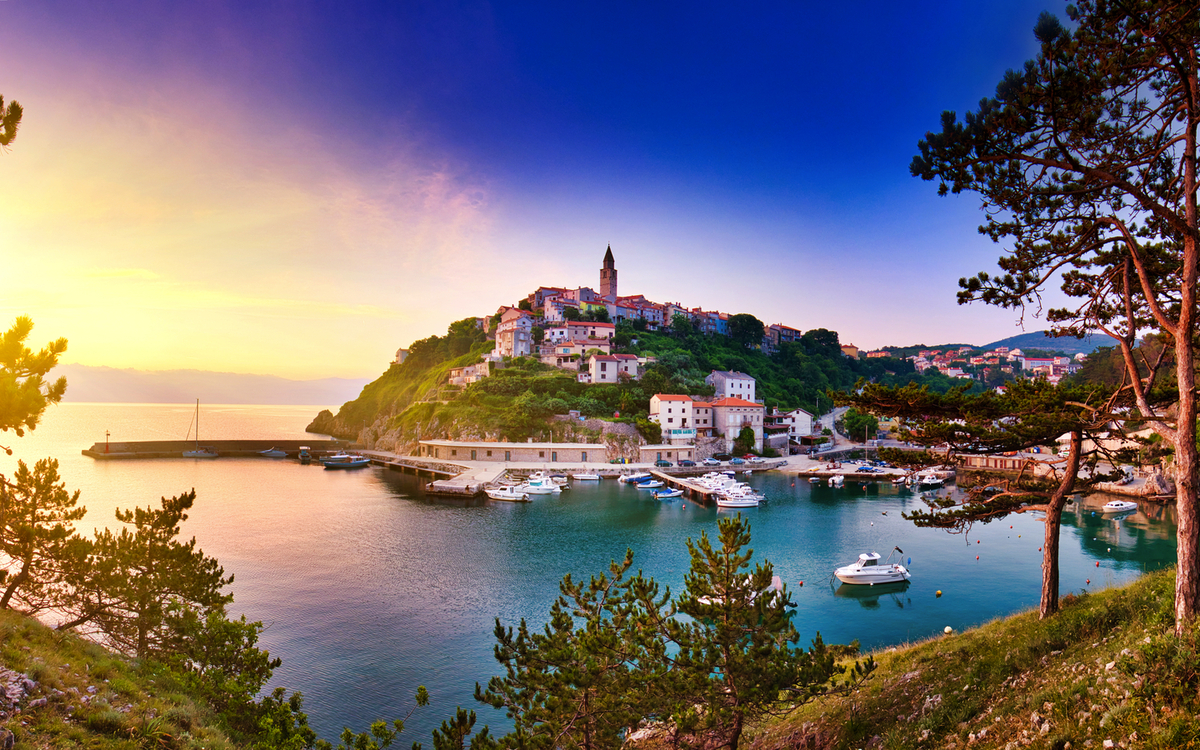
(646, 380)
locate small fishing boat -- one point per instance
(814, 480)
(667, 494)
(509, 494)
(305, 455)
(631, 478)
(1119, 506)
(650, 484)
(868, 571)
(837, 481)
(345, 461)
(273, 453)
(586, 476)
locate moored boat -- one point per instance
(631, 478)
(667, 494)
(650, 484)
(273, 453)
(867, 570)
(586, 476)
(345, 461)
(509, 494)
(305, 455)
(1119, 506)
(200, 451)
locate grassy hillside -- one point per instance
(80, 695)
(1107, 668)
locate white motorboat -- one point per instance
(537, 489)
(631, 478)
(653, 484)
(814, 480)
(1119, 506)
(273, 453)
(733, 501)
(585, 476)
(929, 479)
(540, 484)
(837, 480)
(667, 494)
(509, 494)
(867, 570)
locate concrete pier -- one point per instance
(229, 448)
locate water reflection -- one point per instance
(869, 597)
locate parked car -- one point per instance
(757, 460)
(722, 456)
(747, 456)
(685, 462)
(711, 462)
(735, 460)
(662, 464)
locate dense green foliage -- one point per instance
(619, 650)
(798, 375)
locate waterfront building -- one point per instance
(464, 450)
(665, 452)
(731, 415)
(731, 384)
(850, 350)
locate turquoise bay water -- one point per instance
(368, 588)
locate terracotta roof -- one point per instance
(671, 397)
(735, 401)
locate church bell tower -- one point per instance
(608, 277)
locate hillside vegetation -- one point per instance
(1106, 669)
(412, 400)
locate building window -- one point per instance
(541, 454)
(472, 455)
(583, 456)
(489, 454)
(507, 455)
(454, 452)
(553, 455)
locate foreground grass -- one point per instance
(87, 697)
(1107, 671)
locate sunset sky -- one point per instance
(300, 188)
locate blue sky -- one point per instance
(300, 188)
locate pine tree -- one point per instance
(1086, 161)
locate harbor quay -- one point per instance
(106, 451)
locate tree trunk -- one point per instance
(1187, 573)
(1049, 603)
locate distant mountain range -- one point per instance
(111, 385)
(1066, 344)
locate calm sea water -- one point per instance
(368, 588)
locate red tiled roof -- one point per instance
(671, 397)
(735, 401)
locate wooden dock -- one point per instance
(693, 491)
